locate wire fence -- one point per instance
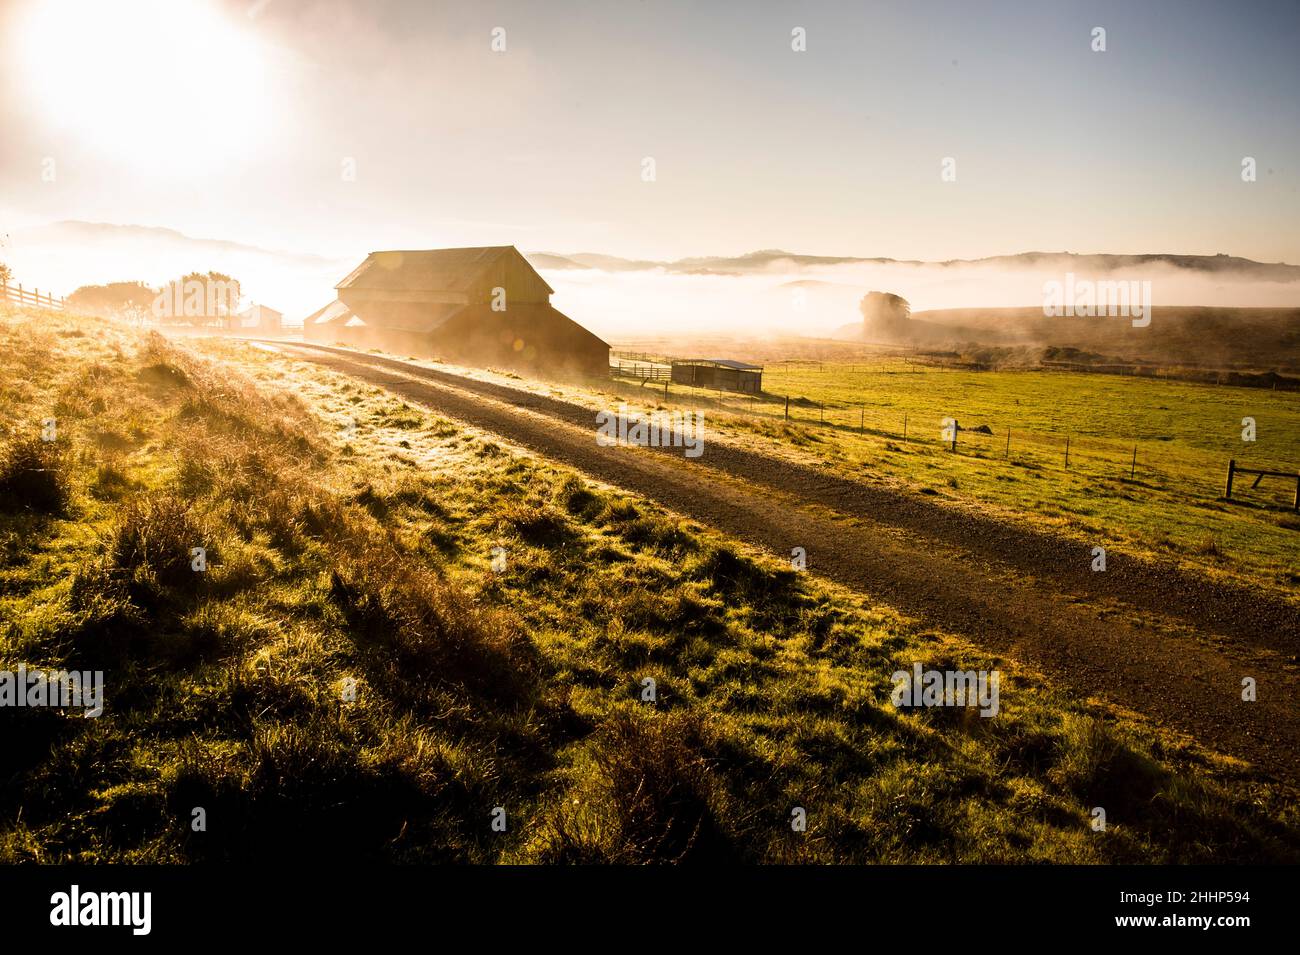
(781, 416)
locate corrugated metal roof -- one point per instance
(323, 316)
(722, 362)
(406, 316)
(426, 317)
(426, 270)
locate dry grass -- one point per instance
(349, 678)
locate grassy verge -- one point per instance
(879, 420)
(406, 631)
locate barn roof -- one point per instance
(323, 316)
(422, 317)
(399, 316)
(428, 270)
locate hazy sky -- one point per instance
(236, 120)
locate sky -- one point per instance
(335, 128)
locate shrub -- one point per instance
(423, 625)
(311, 792)
(577, 498)
(153, 541)
(1101, 768)
(740, 577)
(661, 789)
(541, 526)
(33, 477)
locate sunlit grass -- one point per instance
(350, 539)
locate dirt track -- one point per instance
(1017, 592)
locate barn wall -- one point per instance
(369, 336)
(549, 342)
(553, 347)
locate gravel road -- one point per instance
(1152, 637)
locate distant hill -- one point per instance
(547, 260)
(83, 233)
(69, 254)
(768, 260)
(78, 232)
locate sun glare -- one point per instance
(156, 83)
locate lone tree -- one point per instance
(210, 299)
(5, 274)
(884, 314)
(221, 295)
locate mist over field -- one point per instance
(765, 293)
(790, 299)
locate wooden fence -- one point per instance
(640, 370)
(17, 295)
(1234, 470)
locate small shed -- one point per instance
(722, 374)
(261, 318)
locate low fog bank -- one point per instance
(758, 295)
(819, 301)
(985, 313)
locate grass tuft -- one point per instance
(33, 477)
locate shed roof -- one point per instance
(422, 270)
(262, 309)
(720, 362)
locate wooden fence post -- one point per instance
(822, 406)
(1232, 467)
(1006, 455)
(905, 429)
(787, 407)
(862, 418)
(1133, 468)
(1067, 452)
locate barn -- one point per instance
(478, 306)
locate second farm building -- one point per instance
(721, 374)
